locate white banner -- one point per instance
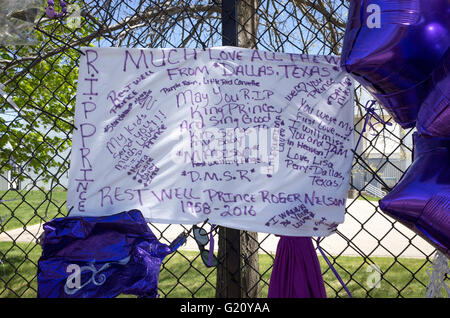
(248, 139)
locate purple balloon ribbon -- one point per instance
(370, 112)
(332, 268)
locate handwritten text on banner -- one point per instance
(248, 139)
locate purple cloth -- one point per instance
(84, 257)
(296, 271)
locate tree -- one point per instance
(36, 113)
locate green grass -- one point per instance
(402, 277)
(34, 207)
(31, 207)
(184, 275)
(18, 271)
(368, 197)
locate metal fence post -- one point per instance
(231, 236)
(230, 22)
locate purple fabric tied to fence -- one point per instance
(296, 270)
(84, 257)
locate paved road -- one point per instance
(394, 241)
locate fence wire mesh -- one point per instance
(375, 255)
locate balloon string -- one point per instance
(370, 113)
(333, 269)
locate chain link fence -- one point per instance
(375, 255)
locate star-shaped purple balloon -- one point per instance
(434, 114)
(421, 200)
(393, 47)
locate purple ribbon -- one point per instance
(332, 268)
(370, 112)
(50, 10)
(8, 200)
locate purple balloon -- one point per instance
(393, 47)
(421, 200)
(434, 114)
(115, 254)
